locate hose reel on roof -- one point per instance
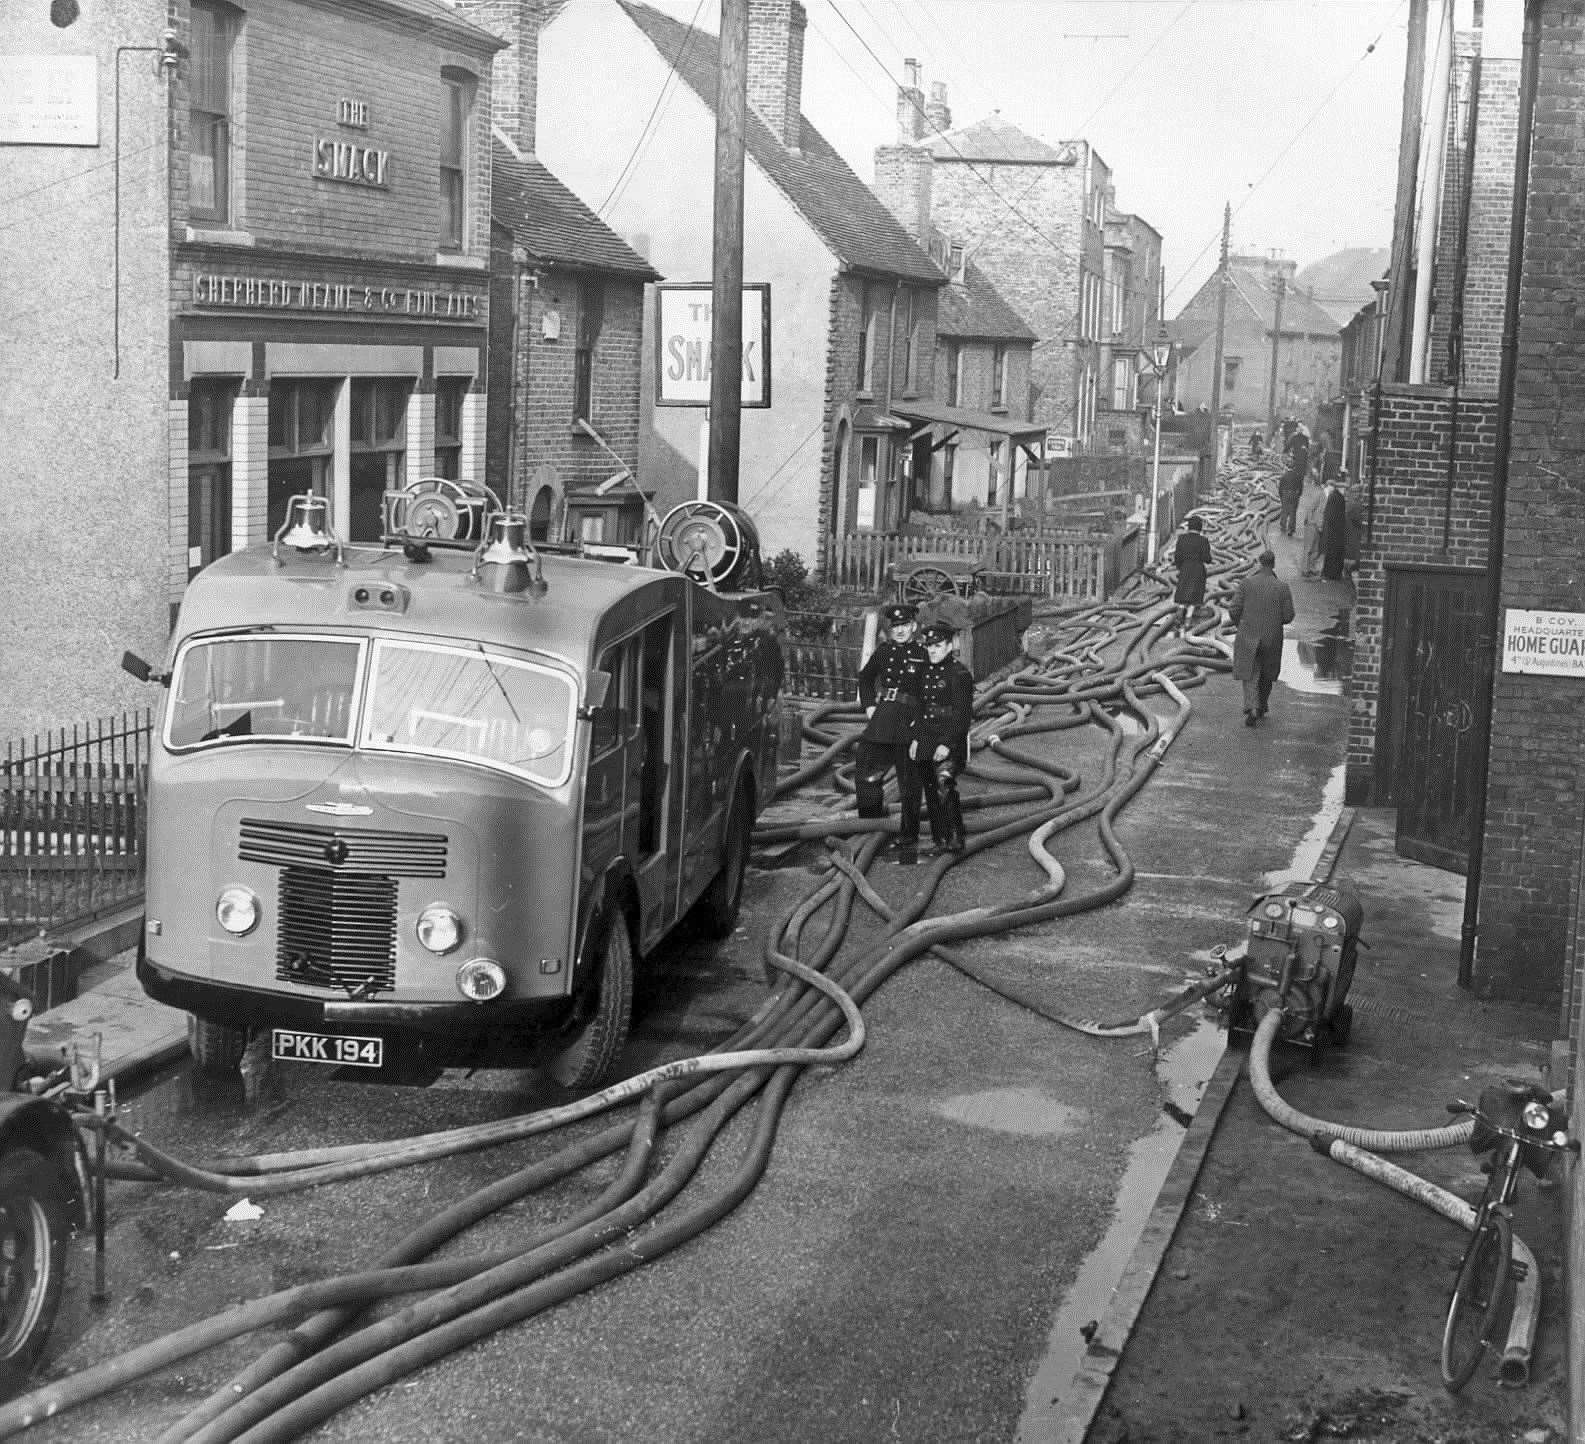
(713, 542)
(436, 508)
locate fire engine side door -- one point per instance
(657, 855)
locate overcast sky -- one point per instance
(1289, 110)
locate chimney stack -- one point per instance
(776, 66)
(910, 106)
(514, 87)
(938, 115)
(902, 181)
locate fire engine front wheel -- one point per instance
(591, 1040)
(217, 1050)
(33, 1229)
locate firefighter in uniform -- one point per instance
(940, 749)
(889, 691)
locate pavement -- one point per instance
(1270, 1294)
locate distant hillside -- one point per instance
(1341, 282)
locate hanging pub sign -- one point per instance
(1549, 643)
(682, 344)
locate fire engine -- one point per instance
(448, 790)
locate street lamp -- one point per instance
(1160, 359)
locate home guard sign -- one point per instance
(1552, 643)
(682, 335)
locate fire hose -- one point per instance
(757, 1065)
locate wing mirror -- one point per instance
(143, 671)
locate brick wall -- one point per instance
(1530, 883)
(1406, 512)
(1032, 255)
(283, 105)
(546, 436)
(1486, 238)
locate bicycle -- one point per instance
(1516, 1122)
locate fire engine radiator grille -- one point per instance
(365, 850)
(336, 929)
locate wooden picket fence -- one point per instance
(1070, 567)
(71, 823)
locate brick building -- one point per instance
(1474, 523)
(566, 340)
(1033, 218)
(853, 299)
(1261, 305)
(256, 254)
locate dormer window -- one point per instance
(957, 263)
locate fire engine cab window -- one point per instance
(236, 688)
(472, 706)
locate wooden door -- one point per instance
(1435, 679)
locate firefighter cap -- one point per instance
(899, 614)
(937, 632)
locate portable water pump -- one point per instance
(1298, 957)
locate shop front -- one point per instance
(322, 377)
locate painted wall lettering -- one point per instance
(359, 165)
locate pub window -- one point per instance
(1122, 383)
(1231, 366)
(456, 109)
(993, 476)
(869, 466)
(942, 500)
(449, 391)
(379, 452)
(999, 377)
(209, 112)
(208, 472)
(301, 440)
(591, 316)
(954, 373)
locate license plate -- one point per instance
(337, 1049)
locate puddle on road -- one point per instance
(1013, 1110)
(1321, 664)
(1183, 1069)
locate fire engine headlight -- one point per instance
(21, 1010)
(438, 928)
(481, 979)
(1537, 1117)
(237, 910)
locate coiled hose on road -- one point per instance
(305, 1378)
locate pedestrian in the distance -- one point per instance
(889, 690)
(1312, 503)
(1353, 523)
(1289, 487)
(1262, 607)
(1257, 445)
(1191, 555)
(1334, 532)
(940, 748)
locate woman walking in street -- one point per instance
(1191, 556)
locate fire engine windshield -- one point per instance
(230, 689)
(472, 705)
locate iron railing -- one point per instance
(71, 823)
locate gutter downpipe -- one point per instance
(1529, 68)
(1455, 331)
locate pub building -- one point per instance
(330, 242)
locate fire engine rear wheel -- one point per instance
(722, 900)
(33, 1228)
(217, 1050)
(592, 1039)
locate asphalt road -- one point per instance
(896, 1273)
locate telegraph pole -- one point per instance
(1400, 296)
(1276, 349)
(1221, 329)
(726, 271)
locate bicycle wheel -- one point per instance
(1485, 1279)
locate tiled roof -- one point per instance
(995, 140)
(977, 308)
(1253, 291)
(551, 223)
(847, 213)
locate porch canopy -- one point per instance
(930, 415)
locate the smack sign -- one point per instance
(682, 334)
